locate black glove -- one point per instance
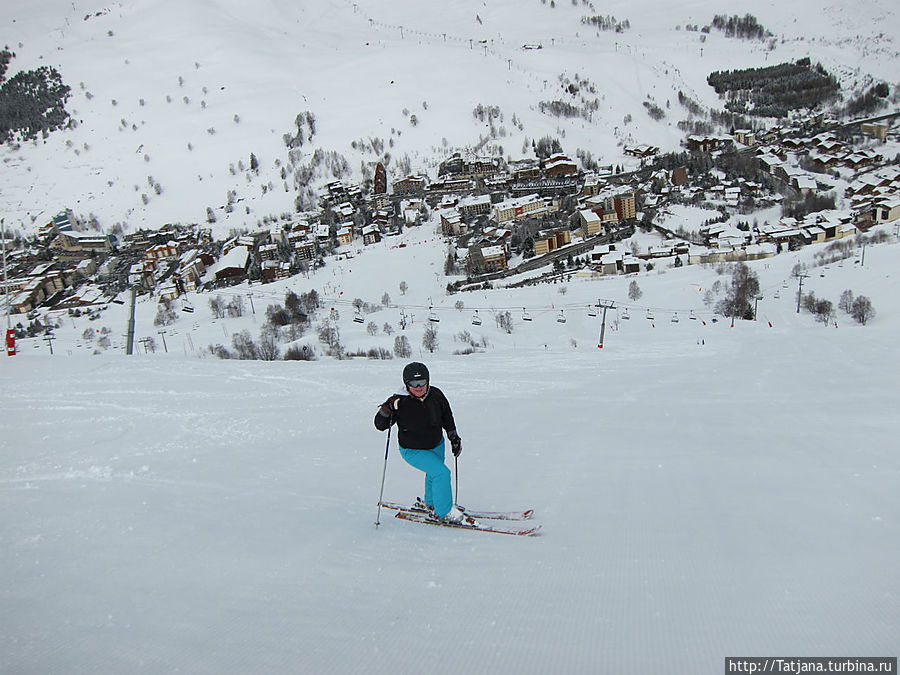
(389, 406)
(455, 443)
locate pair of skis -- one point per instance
(420, 514)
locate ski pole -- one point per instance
(383, 473)
(456, 478)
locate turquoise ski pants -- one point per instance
(438, 492)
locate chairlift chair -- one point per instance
(592, 310)
(675, 317)
(433, 317)
(358, 317)
(187, 307)
(476, 320)
(624, 313)
(562, 317)
(525, 315)
(693, 317)
(649, 315)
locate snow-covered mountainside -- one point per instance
(172, 98)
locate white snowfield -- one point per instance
(704, 492)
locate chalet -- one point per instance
(232, 265)
(162, 251)
(345, 210)
(829, 145)
(861, 158)
(642, 151)
(84, 297)
(732, 195)
(371, 235)
(558, 166)
(888, 209)
(805, 185)
(821, 161)
(345, 234)
(793, 144)
(864, 185)
(382, 218)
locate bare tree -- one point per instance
(430, 339)
(268, 347)
(739, 296)
(634, 291)
(504, 322)
(402, 349)
(862, 309)
(244, 346)
(217, 305)
(845, 304)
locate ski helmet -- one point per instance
(415, 372)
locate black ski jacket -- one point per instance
(419, 421)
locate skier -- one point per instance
(420, 416)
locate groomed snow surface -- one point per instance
(704, 491)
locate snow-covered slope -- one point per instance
(704, 491)
(180, 94)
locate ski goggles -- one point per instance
(412, 384)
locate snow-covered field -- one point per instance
(704, 491)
